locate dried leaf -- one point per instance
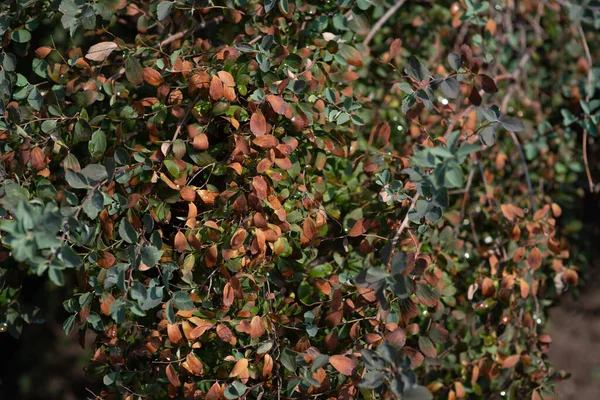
(100, 51)
(172, 375)
(258, 124)
(344, 365)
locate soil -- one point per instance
(575, 330)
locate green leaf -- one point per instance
(76, 180)
(417, 70)
(97, 146)
(127, 232)
(163, 10)
(455, 61)
(117, 310)
(417, 393)
(69, 324)
(134, 71)
(288, 359)
(488, 135)
(94, 173)
(95, 321)
(21, 36)
(236, 390)
(183, 301)
(69, 257)
(35, 99)
(170, 312)
(512, 124)
(450, 88)
(151, 255)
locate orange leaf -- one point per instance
(535, 258)
(172, 376)
(225, 334)
(215, 392)
(309, 229)
(216, 88)
(277, 103)
(200, 142)
(268, 366)
(226, 78)
(152, 77)
(344, 365)
(42, 52)
(107, 260)
(257, 328)
(258, 124)
(228, 295)
(359, 228)
(240, 369)
(188, 194)
(180, 242)
(237, 240)
(38, 158)
(194, 364)
(266, 141)
(511, 361)
(174, 333)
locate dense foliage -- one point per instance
(298, 199)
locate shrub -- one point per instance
(292, 198)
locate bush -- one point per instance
(341, 199)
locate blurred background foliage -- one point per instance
(543, 56)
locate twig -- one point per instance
(525, 167)
(382, 21)
(466, 196)
(402, 226)
(587, 98)
(182, 122)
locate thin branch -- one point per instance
(382, 21)
(587, 98)
(466, 196)
(402, 226)
(525, 167)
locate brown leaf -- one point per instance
(240, 369)
(535, 259)
(107, 224)
(511, 361)
(487, 84)
(172, 376)
(268, 366)
(216, 88)
(187, 193)
(258, 124)
(277, 103)
(359, 228)
(200, 142)
(309, 229)
(106, 260)
(38, 158)
(174, 333)
(261, 187)
(228, 295)
(211, 256)
(152, 77)
(226, 78)
(194, 364)
(180, 242)
(237, 240)
(257, 329)
(106, 301)
(100, 51)
(42, 52)
(225, 334)
(344, 365)
(395, 48)
(487, 287)
(474, 96)
(266, 141)
(397, 337)
(215, 392)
